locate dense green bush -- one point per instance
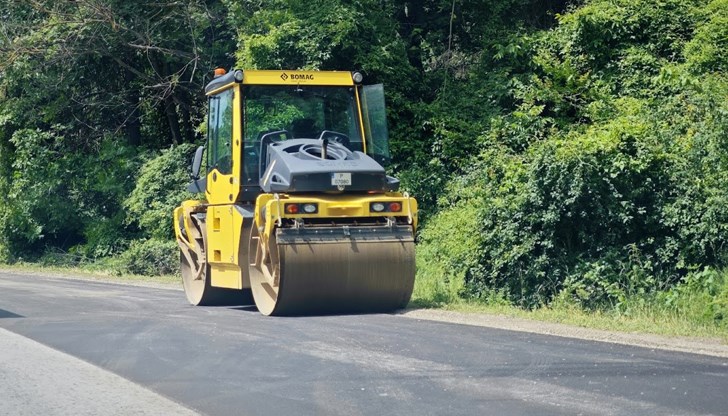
(40, 208)
(605, 182)
(708, 50)
(701, 296)
(448, 254)
(151, 257)
(60, 198)
(160, 187)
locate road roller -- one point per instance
(296, 210)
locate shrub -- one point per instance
(605, 180)
(160, 187)
(708, 50)
(104, 237)
(701, 296)
(151, 257)
(59, 197)
(39, 208)
(448, 255)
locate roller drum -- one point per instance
(336, 270)
(199, 292)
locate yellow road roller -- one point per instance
(298, 211)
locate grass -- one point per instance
(646, 319)
(90, 272)
(697, 308)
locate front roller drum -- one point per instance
(333, 272)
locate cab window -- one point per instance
(303, 112)
(220, 132)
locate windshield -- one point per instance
(302, 112)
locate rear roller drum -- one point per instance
(200, 293)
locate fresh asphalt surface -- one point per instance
(233, 361)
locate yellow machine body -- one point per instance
(241, 241)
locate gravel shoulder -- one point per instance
(704, 346)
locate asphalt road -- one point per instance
(233, 361)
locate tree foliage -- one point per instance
(559, 150)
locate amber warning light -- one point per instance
(220, 72)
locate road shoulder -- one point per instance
(712, 347)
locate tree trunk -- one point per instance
(133, 125)
(170, 110)
(415, 18)
(187, 130)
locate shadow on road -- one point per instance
(8, 314)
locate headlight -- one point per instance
(310, 208)
(238, 75)
(377, 207)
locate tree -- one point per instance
(112, 65)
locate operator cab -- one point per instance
(263, 107)
(283, 112)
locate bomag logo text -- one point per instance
(296, 77)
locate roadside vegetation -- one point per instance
(92, 272)
(570, 157)
(695, 308)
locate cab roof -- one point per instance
(283, 77)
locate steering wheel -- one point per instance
(335, 137)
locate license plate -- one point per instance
(341, 179)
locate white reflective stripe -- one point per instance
(269, 172)
(278, 202)
(409, 207)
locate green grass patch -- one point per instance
(645, 320)
(95, 271)
(696, 307)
